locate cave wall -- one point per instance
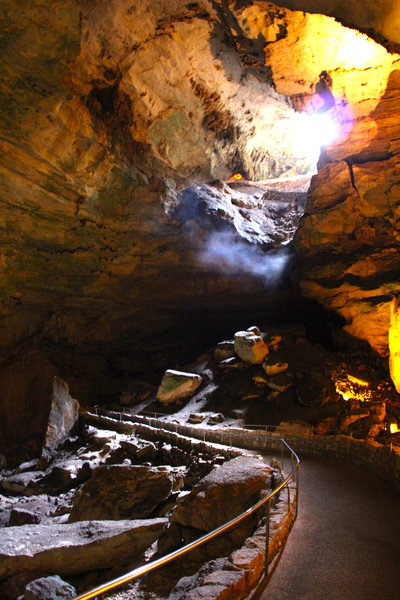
(380, 20)
(107, 111)
(347, 246)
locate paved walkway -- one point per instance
(345, 544)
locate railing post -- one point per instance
(288, 497)
(297, 490)
(282, 455)
(267, 516)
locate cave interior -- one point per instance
(174, 172)
(201, 192)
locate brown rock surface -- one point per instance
(74, 547)
(348, 239)
(121, 492)
(223, 494)
(104, 111)
(108, 113)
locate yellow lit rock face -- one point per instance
(348, 238)
(107, 109)
(394, 343)
(359, 67)
(380, 19)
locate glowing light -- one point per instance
(357, 50)
(237, 177)
(358, 381)
(311, 132)
(394, 428)
(352, 388)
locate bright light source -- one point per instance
(323, 129)
(311, 132)
(394, 428)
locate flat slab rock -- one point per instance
(75, 547)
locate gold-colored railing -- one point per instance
(146, 568)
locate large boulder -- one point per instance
(64, 413)
(177, 385)
(70, 548)
(250, 347)
(121, 492)
(223, 494)
(220, 496)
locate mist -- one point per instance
(226, 252)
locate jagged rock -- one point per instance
(64, 413)
(49, 588)
(64, 477)
(75, 547)
(238, 413)
(250, 347)
(222, 494)
(139, 450)
(231, 363)
(177, 385)
(315, 389)
(20, 516)
(121, 492)
(254, 329)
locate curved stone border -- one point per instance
(245, 567)
(380, 459)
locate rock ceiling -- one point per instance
(110, 109)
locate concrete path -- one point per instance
(345, 544)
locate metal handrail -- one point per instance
(135, 573)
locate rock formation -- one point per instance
(112, 114)
(121, 492)
(74, 547)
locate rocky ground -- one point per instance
(104, 502)
(298, 381)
